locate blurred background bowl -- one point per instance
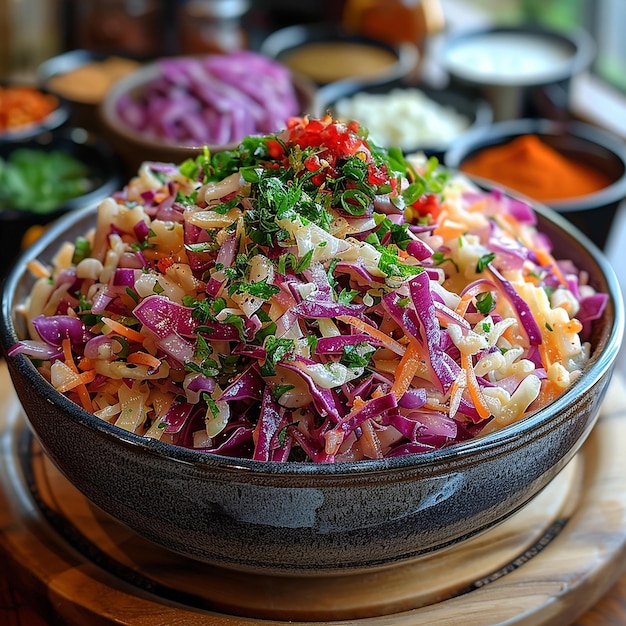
(578, 143)
(27, 110)
(521, 71)
(156, 143)
(311, 519)
(82, 78)
(326, 53)
(19, 226)
(413, 117)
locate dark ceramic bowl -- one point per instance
(517, 68)
(594, 213)
(344, 62)
(104, 173)
(83, 104)
(419, 126)
(135, 147)
(310, 519)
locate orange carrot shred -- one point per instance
(80, 389)
(387, 341)
(406, 369)
(143, 358)
(120, 329)
(474, 390)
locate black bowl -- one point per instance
(308, 519)
(594, 213)
(521, 88)
(281, 44)
(104, 169)
(475, 111)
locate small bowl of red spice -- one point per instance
(27, 111)
(573, 167)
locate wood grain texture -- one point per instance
(547, 565)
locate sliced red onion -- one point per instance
(53, 329)
(164, 317)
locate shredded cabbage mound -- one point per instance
(310, 297)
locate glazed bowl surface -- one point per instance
(593, 213)
(306, 519)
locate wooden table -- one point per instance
(571, 575)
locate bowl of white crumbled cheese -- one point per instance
(413, 117)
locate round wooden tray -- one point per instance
(546, 565)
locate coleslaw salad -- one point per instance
(310, 296)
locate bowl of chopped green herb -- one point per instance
(44, 178)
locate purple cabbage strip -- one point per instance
(54, 329)
(267, 427)
(164, 317)
(521, 306)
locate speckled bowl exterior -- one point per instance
(308, 519)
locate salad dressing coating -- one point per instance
(310, 296)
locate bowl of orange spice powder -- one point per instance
(572, 167)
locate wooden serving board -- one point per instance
(546, 565)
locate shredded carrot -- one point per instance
(120, 329)
(456, 391)
(143, 358)
(81, 379)
(68, 357)
(387, 341)
(80, 389)
(464, 302)
(545, 258)
(480, 206)
(21, 105)
(38, 269)
(441, 408)
(358, 403)
(472, 386)
(549, 391)
(549, 352)
(450, 230)
(86, 364)
(408, 366)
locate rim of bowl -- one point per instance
(584, 51)
(600, 364)
(284, 39)
(503, 132)
(111, 173)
